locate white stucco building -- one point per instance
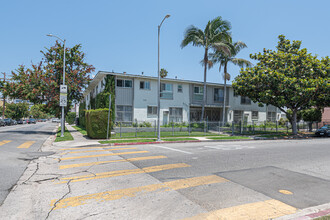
(181, 100)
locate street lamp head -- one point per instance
(49, 35)
(167, 16)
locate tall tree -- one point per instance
(41, 83)
(16, 110)
(214, 36)
(288, 78)
(223, 59)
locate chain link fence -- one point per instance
(206, 128)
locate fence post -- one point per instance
(189, 128)
(219, 127)
(136, 129)
(276, 126)
(253, 127)
(120, 128)
(241, 127)
(204, 127)
(172, 129)
(232, 128)
(155, 129)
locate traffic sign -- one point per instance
(63, 100)
(63, 89)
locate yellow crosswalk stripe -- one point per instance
(132, 192)
(104, 155)
(110, 161)
(123, 172)
(268, 209)
(4, 142)
(26, 144)
(89, 151)
(84, 148)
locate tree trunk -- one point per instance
(204, 90)
(224, 96)
(294, 122)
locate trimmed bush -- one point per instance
(96, 123)
(70, 117)
(82, 120)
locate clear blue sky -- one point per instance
(122, 35)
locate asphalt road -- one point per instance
(204, 180)
(20, 144)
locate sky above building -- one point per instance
(121, 36)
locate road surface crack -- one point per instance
(32, 174)
(69, 191)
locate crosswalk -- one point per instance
(84, 157)
(21, 144)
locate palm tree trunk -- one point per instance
(224, 96)
(204, 90)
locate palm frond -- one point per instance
(210, 63)
(239, 45)
(193, 35)
(241, 62)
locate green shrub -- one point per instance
(82, 109)
(96, 123)
(70, 117)
(145, 124)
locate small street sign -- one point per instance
(63, 89)
(63, 100)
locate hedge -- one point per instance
(70, 117)
(96, 123)
(82, 109)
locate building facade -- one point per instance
(181, 100)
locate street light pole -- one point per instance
(62, 119)
(158, 106)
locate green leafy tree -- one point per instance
(223, 59)
(312, 114)
(38, 111)
(41, 83)
(16, 111)
(214, 36)
(288, 78)
(163, 73)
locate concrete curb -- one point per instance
(308, 213)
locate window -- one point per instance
(124, 113)
(166, 91)
(271, 116)
(180, 88)
(152, 110)
(238, 115)
(198, 93)
(218, 95)
(245, 100)
(124, 83)
(175, 114)
(255, 115)
(145, 85)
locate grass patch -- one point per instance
(164, 134)
(228, 138)
(80, 129)
(179, 139)
(67, 135)
(323, 218)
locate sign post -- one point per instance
(108, 116)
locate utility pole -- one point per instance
(4, 98)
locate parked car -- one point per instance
(14, 122)
(56, 120)
(2, 122)
(323, 131)
(20, 122)
(8, 121)
(32, 121)
(24, 122)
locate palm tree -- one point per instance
(223, 59)
(214, 36)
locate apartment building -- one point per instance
(181, 100)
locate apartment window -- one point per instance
(271, 116)
(124, 113)
(255, 115)
(238, 115)
(124, 83)
(180, 88)
(145, 85)
(218, 95)
(176, 114)
(152, 110)
(245, 100)
(198, 93)
(166, 91)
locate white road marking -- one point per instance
(173, 149)
(229, 147)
